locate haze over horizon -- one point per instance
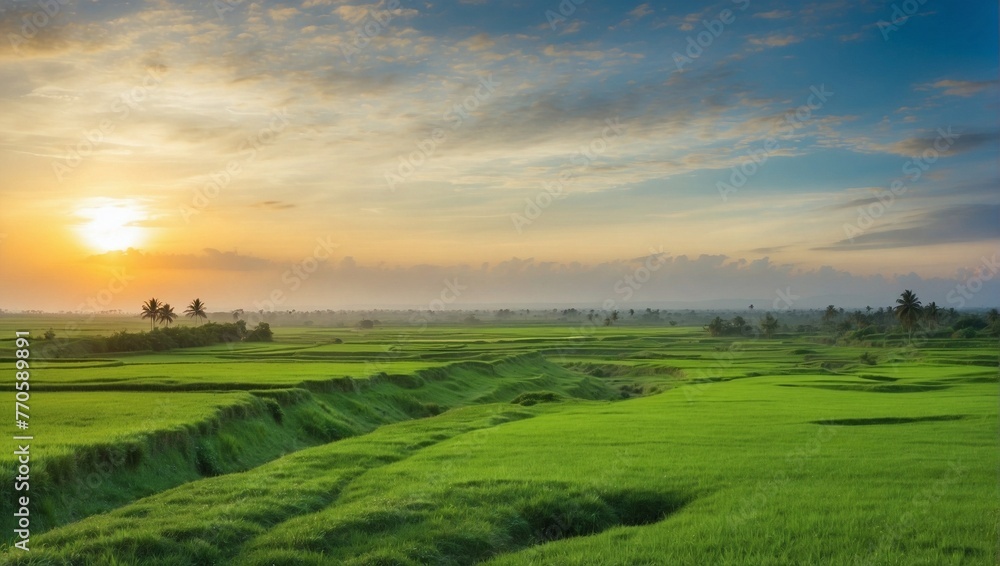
(334, 153)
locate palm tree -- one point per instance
(859, 319)
(830, 314)
(151, 310)
(908, 310)
(932, 315)
(167, 313)
(993, 316)
(196, 309)
(768, 325)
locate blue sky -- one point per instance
(421, 137)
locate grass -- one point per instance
(524, 445)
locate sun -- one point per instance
(112, 224)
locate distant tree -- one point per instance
(859, 319)
(907, 310)
(830, 314)
(992, 316)
(366, 324)
(49, 334)
(768, 325)
(932, 315)
(151, 310)
(196, 310)
(614, 316)
(631, 312)
(261, 333)
(607, 321)
(717, 327)
(166, 314)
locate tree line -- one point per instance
(167, 338)
(908, 311)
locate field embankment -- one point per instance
(106, 444)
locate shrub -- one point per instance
(969, 321)
(965, 333)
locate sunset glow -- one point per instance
(111, 225)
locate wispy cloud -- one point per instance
(774, 15)
(946, 226)
(963, 88)
(774, 40)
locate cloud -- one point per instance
(640, 11)
(954, 225)
(963, 142)
(210, 259)
(774, 40)
(963, 88)
(351, 13)
(774, 15)
(282, 14)
(478, 42)
(274, 205)
(675, 281)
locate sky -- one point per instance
(342, 153)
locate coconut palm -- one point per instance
(151, 310)
(196, 309)
(932, 314)
(830, 314)
(167, 314)
(908, 310)
(992, 316)
(768, 325)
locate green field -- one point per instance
(513, 444)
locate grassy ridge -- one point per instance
(102, 449)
